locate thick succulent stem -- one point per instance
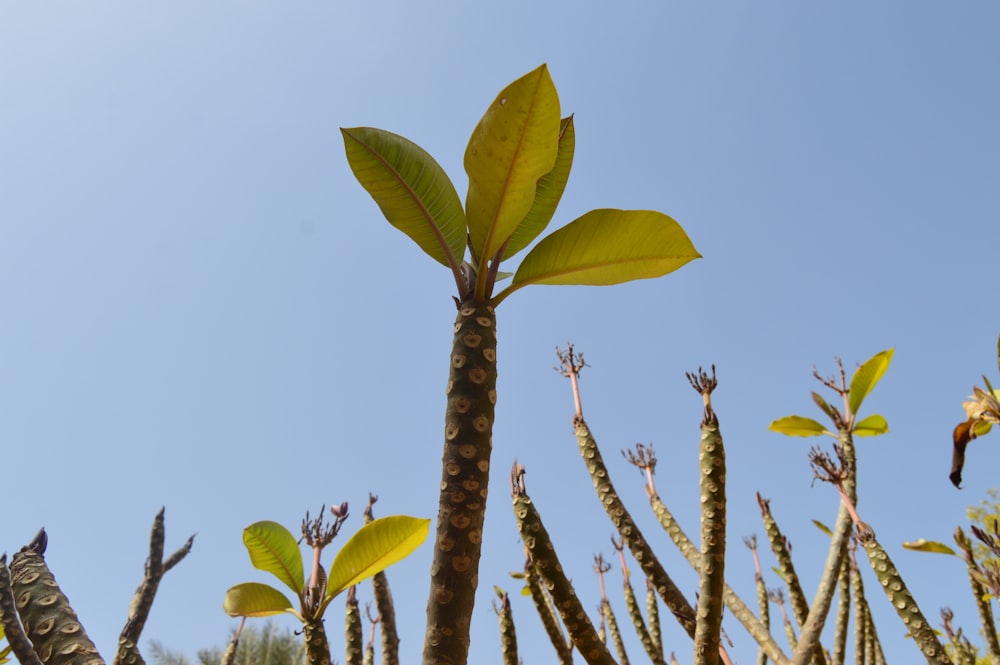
(48, 619)
(980, 595)
(628, 529)
(616, 634)
(547, 613)
(843, 615)
(782, 552)
(384, 604)
(16, 639)
(904, 604)
(712, 463)
(813, 627)
(780, 548)
(317, 645)
(142, 601)
(546, 564)
(632, 603)
(128, 653)
(468, 442)
(758, 630)
(354, 639)
(653, 613)
(508, 636)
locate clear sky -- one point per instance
(203, 310)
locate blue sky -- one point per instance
(203, 310)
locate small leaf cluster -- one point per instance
(272, 548)
(518, 162)
(862, 383)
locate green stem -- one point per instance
(508, 636)
(16, 639)
(384, 604)
(353, 631)
(632, 603)
(653, 612)
(843, 615)
(712, 462)
(781, 550)
(547, 614)
(48, 619)
(980, 595)
(823, 599)
(860, 613)
(779, 546)
(546, 564)
(759, 631)
(628, 529)
(616, 635)
(142, 601)
(317, 645)
(904, 604)
(468, 442)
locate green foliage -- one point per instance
(518, 161)
(797, 426)
(375, 547)
(866, 377)
(873, 425)
(412, 190)
(253, 599)
(606, 247)
(923, 545)
(547, 194)
(862, 382)
(272, 548)
(514, 145)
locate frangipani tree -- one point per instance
(272, 548)
(518, 161)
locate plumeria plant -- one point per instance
(272, 548)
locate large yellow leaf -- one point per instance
(413, 191)
(866, 377)
(376, 546)
(274, 549)
(512, 147)
(606, 247)
(547, 194)
(797, 426)
(252, 599)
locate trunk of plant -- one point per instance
(48, 620)
(468, 442)
(317, 645)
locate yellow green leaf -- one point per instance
(922, 545)
(252, 599)
(822, 527)
(866, 377)
(512, 147)
(873, 425)
(376, 546)
(412, 190)
(273, 549)
(797, 426)
(606, 247)
(825, 406)
(547, 194)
